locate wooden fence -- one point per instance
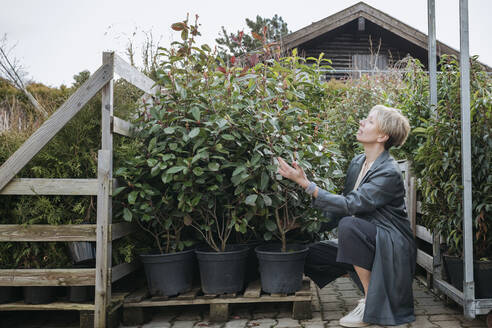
(104, 231)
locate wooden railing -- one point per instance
(104, 231)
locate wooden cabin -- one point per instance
(362, 38)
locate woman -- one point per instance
(374, 234)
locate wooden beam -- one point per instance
(423, 233)
(122, 127)
(121, 229)
(54, 123)
(121, 270)
(47, 232)
(237, 300)
(133, 75)
(58, 306)
(47, 277)
(28, 186)
(424, 260)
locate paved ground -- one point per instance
(329, 305)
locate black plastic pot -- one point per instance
(82, 251)
(169, 274)
(483, 279)
(9, 294)
(78, 294)
(252, 273)
(39, 294)
(482, 273)
(281, 272)
(222, 272)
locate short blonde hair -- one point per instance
(392, 122)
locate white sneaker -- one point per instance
(354, 318)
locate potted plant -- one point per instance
(440, 176)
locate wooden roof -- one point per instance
(374, 15)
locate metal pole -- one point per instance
(468, 283)
(431, 25)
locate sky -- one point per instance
(56, 39)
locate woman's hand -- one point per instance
(294, 172)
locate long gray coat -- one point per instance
(380, 200)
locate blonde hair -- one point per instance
(392, 122)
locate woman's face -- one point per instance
(369, 131)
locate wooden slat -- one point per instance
(63, 306)
(121, 270)
(54, 123)
(47, 277)
(189, 295)
(28, 186)
(133, 75)
(424, 260)
(253, 290)
(448, 289)
(121, 229)
(423, 233)
(305, 289)
(218, 300)
(137, 296)
(122, 127)
(47, 232)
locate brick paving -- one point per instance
(329, 305)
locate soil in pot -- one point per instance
(169, 274)
(222, 272)
(281, 272)
(9, 294)
(39, 294)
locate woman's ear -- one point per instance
(383, 138)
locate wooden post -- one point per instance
(219, 312)
(104, 210)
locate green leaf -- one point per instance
(118, 190)
(198, 171)
(251, 200)
(270, 225)
(213, 166)
(127, 214)
(132, 197)
(238, 170)
(264, 180)
(227, 137)
(195, 111)
(169, 130)
(175, 169)
(267, 200)
(194, 132)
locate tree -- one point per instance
(237, 44)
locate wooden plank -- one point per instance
(68, 306)
(302, 310)
(305, 289)
(47, 277)
(121, 270)
(54, 123)
(137, 296)
(423, 233)
(219, 312)
(47, 232)
(122, 127)
(253, 290)
(189, 295)
(28, 186)
(217, 300)
(103, 257)
(121, 229)
(424, 260)
(133, 75)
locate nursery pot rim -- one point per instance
(302, 249)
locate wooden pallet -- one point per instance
(86, 309)
(135, 304)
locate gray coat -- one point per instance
(380, 200)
